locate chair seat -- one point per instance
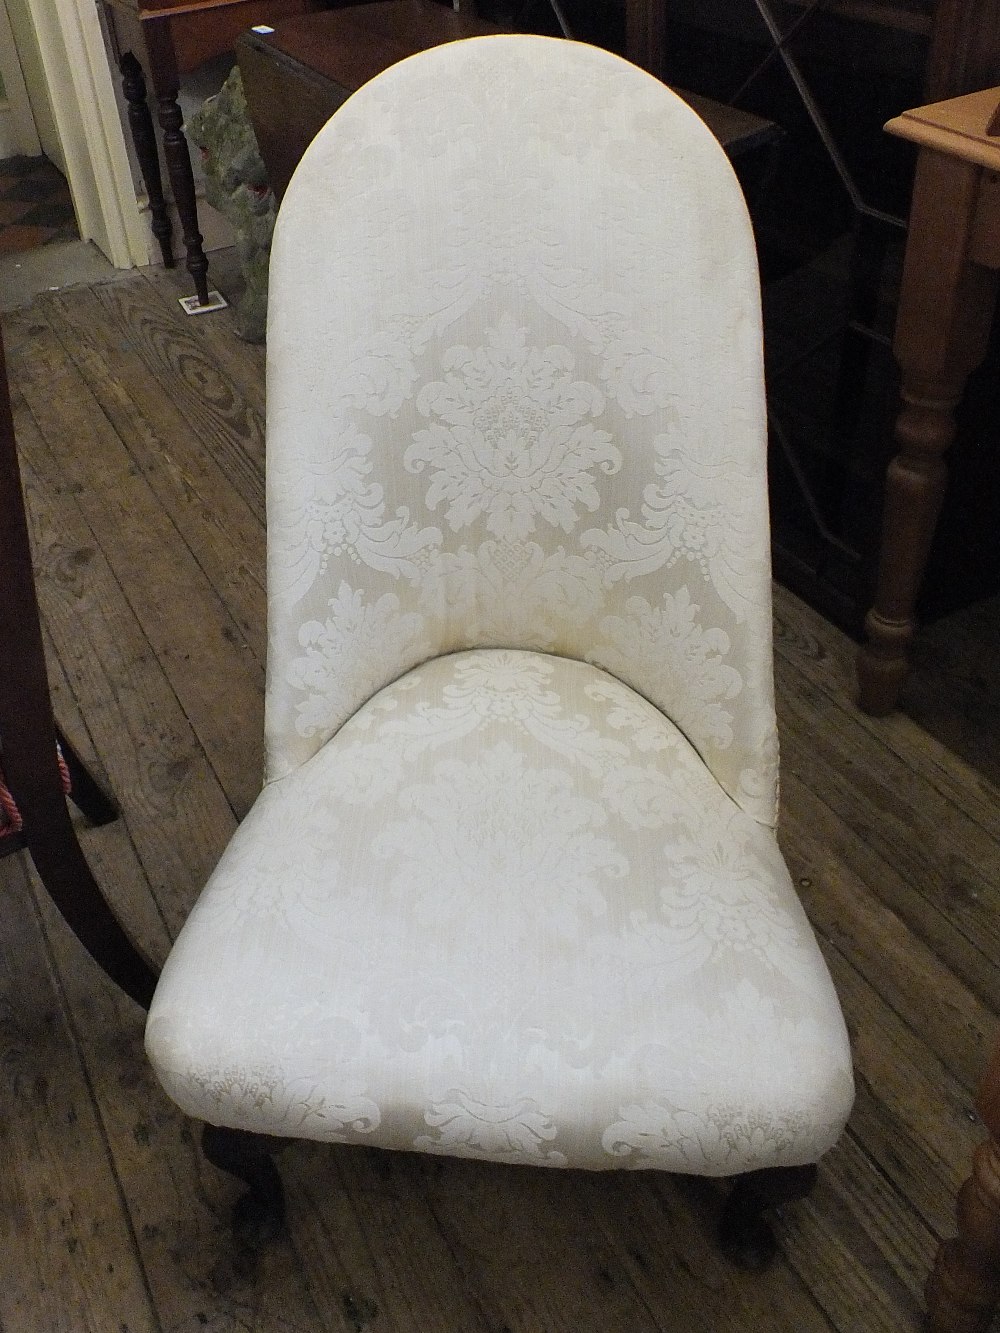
(507, 913)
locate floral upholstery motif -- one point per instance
(515, 399)
(512, 888)
(518, 914)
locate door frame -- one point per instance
(78, 74)
(20, 130)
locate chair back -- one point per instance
(515, 398)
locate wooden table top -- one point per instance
(366, 39)
(147, 9)
(960, 127)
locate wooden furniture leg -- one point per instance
(86, 793)
(28, 734)
(945, 309)
(176, 36)
(963, 1292)
(166, 86)
(67, 878)
(144, 138)
(259, 1214)
(745, 1235)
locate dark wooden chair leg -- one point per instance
(259, 1215)
(28, 733)
(69, 882)
(86, 792)
(143, 137)
(745, 1235)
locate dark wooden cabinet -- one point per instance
(296, 77)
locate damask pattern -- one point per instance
(517, 400)
(511, 444)
(529, 926)
(512, 888)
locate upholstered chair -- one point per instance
(512, 889)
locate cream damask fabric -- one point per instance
(512, 888)
(515, 398)
(506, 912)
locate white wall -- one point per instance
(78, 78)
(29, 60)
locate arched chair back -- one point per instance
(515, 398)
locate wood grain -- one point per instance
(176, 813)
(68, 1257)
(177, 461)
(188, 623)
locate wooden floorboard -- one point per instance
(141, 436)
(68, 1254)
(176, 812)
(955, 688)
(186, 621)
(177, 462)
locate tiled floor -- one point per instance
(35, 205)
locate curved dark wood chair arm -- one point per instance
(28, 736)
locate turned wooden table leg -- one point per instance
(143, 137)
(945, 310)
(963, 1292)
(914, 489)
(166, 85)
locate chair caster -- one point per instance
(259, 1215)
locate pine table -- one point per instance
(946, 307)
